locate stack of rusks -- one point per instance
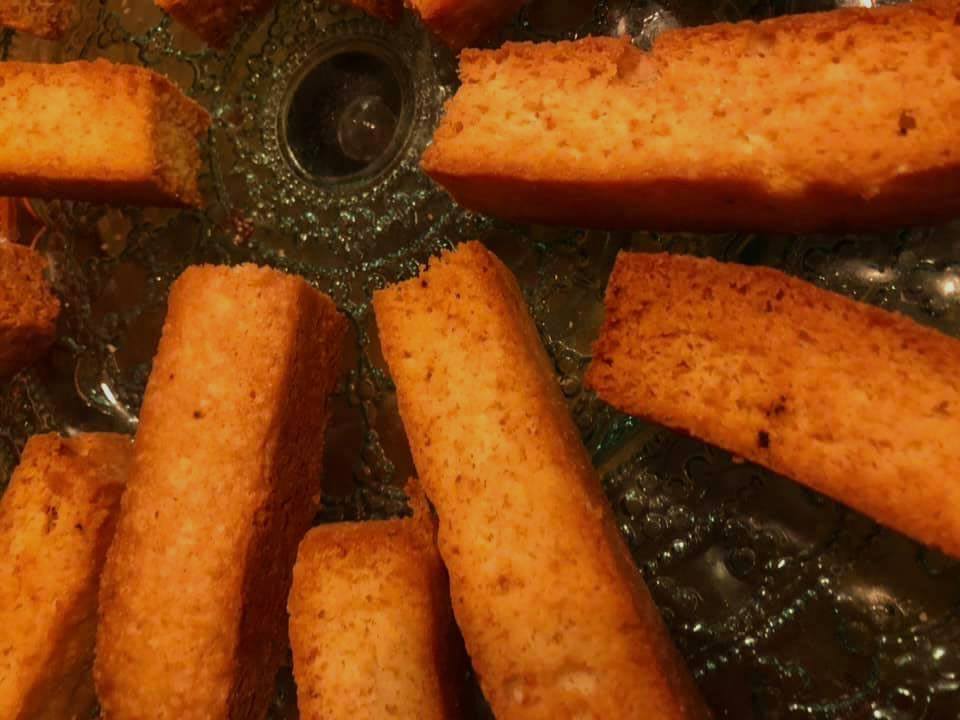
(164, 577)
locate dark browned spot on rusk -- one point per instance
(907, 123)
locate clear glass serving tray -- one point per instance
(785, 604)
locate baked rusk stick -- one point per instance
(225, 483)
(459, 23)
(371, 626)
(215, 21)
(57, 517)
(840, 120)
(855, 402)
(48, 19)
(555, 616)
(28, 308)
(98, 131)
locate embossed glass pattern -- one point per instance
(786, 605)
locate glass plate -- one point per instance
(785, 604)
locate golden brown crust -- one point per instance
(855, 402)
(48, 19)
(56, 520)
(459, 23)
(214, 21)
(28, 308)
(225, 483)
(746, 126)
(554, 615)
(371, 626)
(141, 149)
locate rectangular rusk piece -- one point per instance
(855, 402)
(389, 10)
(554, 614)
(28, 308)
(98, 131)
(48, 19)
(831, 121)
(225, 483)
(56, 521)
(371, 626)
(459, 23)
(214, 21)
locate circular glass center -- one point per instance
(346, 113)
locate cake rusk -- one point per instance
(225, 483)
(389, 10)
(98, 131)
(842, 120)
(371, 627)
(855, 402)
(48, 19)
(8, 220)
(28, 308)
(555, 616)
(459, 23)
(57, 517)
(214, 21)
